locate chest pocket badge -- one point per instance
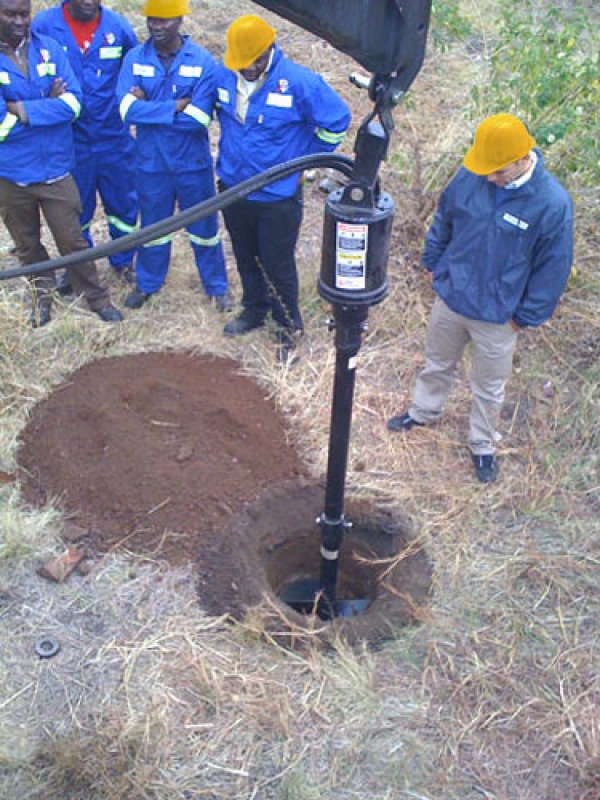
(279, 100)
(515, 221)
(114, 52)
(187, 71)
(143, 70)
(46, 68)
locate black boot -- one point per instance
(136, 299)
(40, 313)
(244, 323)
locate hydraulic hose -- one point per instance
(335, 161)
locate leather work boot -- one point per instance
(486, 467)
(136, 299)
(403, 422)
(244, 323)
(110, 314)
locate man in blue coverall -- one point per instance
(39, 99)
(96, 41)
(270, 110)
(499, 254)
(166, 89)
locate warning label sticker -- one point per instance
(351, 256)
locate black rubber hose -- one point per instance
(335, 161)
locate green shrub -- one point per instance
(448, 24)
(545, 68)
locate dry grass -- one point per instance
(495, 696)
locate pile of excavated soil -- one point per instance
(154, 451)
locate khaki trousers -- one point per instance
(492, 348)
(59, 202)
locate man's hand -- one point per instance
(58, 87)
(181, 103)
(138, 92)
(18, 109)
(514, 326)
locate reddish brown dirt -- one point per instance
(380, 562)
(180, 457)
(154, 451)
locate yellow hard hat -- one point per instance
(165, 9)
(499, 141)
(247, 38)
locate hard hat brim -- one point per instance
(236, 64)
(480, 166)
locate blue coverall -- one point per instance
(172, 156)
(103, 144)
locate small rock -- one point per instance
(59, 568)
(548, 389)
(185, 452)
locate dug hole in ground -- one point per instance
(184, 458)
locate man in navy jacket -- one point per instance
(39, 99)
(270, 111)
(499, 253)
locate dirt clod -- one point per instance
(59, 568)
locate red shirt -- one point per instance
(82, 31)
